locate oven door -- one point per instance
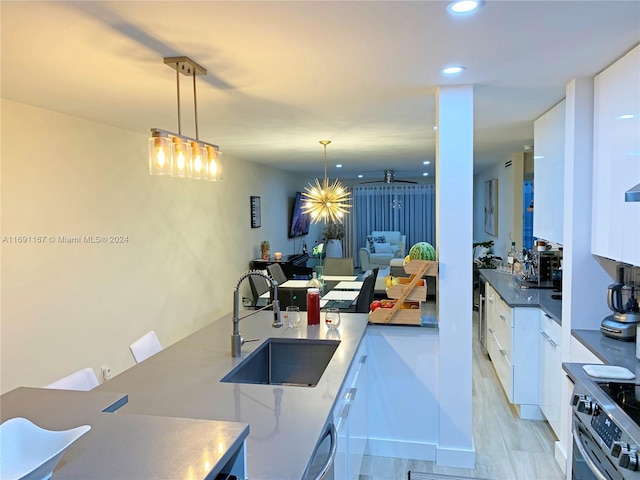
(589, 462)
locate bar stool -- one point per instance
(146, 346)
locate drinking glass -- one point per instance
(332, 318)
(292, 316)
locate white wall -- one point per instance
(67, 306)
(506, 207)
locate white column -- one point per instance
(454, 234)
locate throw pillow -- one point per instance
(370, 241)
(379, 239)
(382, 247)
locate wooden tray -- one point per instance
(410, 291)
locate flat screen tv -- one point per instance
(299, 225)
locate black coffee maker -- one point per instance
(622, 299)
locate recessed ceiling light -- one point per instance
(360, 175)
(339, 165)
(425, 174)
(464, 6)
(426, 162)
(626, 116)
(452, 70)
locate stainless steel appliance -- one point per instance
(606, 431)
(622, 299)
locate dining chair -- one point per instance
(82, 380)
(338, 266)
(275, 271)
(259, 285)
(366, 295)
(145, 346)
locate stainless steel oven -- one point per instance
(606, 435)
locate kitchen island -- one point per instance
(174, 418)
(286, 422)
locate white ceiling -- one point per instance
(283, 75)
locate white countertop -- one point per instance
(183, 380)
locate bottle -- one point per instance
(511, 256)
(314, 282)
(313, 306)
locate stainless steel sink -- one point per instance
(284, 361)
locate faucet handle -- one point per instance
(243, 341)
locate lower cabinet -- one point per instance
(512, 344)
(350, 416)
(550, 375)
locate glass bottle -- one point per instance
(313, 306)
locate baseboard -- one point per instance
(529, 412)
(382, 447)
(561, 457)
(456, 457)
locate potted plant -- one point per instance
(333, 234)
(264, 249)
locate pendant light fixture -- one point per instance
(175, 154)
(323, 201)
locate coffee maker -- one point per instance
(622, 299)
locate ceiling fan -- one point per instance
(388, 178)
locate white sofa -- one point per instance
(393, 246)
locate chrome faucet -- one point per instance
(236, 339)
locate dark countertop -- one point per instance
(508, 287)
(609, 350)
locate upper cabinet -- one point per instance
(548, 170)
(615, 231)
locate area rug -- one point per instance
(435, 476)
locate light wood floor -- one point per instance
(507, 448)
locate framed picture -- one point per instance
(491, 207)
(255, 212)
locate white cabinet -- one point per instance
(512, 343)
(548, 158)
(616, 160)
(403, 391)
(350, 416)
(550, 374)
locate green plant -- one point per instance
(264, 246)
(333, 231)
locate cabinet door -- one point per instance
(616, 160)
(550, 376)
(548, 132)
(358, 422)
(501, 364)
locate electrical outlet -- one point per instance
(106, 373)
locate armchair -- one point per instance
(382, 246)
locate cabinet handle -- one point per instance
(553, 344)
(503, 353)
(333, 435)
(548, 316)
(544, 334)
(363, 359)
(351, 394)
(502, 317)
(491, 330)
(345, 411)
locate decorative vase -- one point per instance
(265, 255)
(334, 248)
(319, 271)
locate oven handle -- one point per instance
(576, 440)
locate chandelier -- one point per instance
(175, 154)
(323, 201)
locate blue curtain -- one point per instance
(407, 208)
